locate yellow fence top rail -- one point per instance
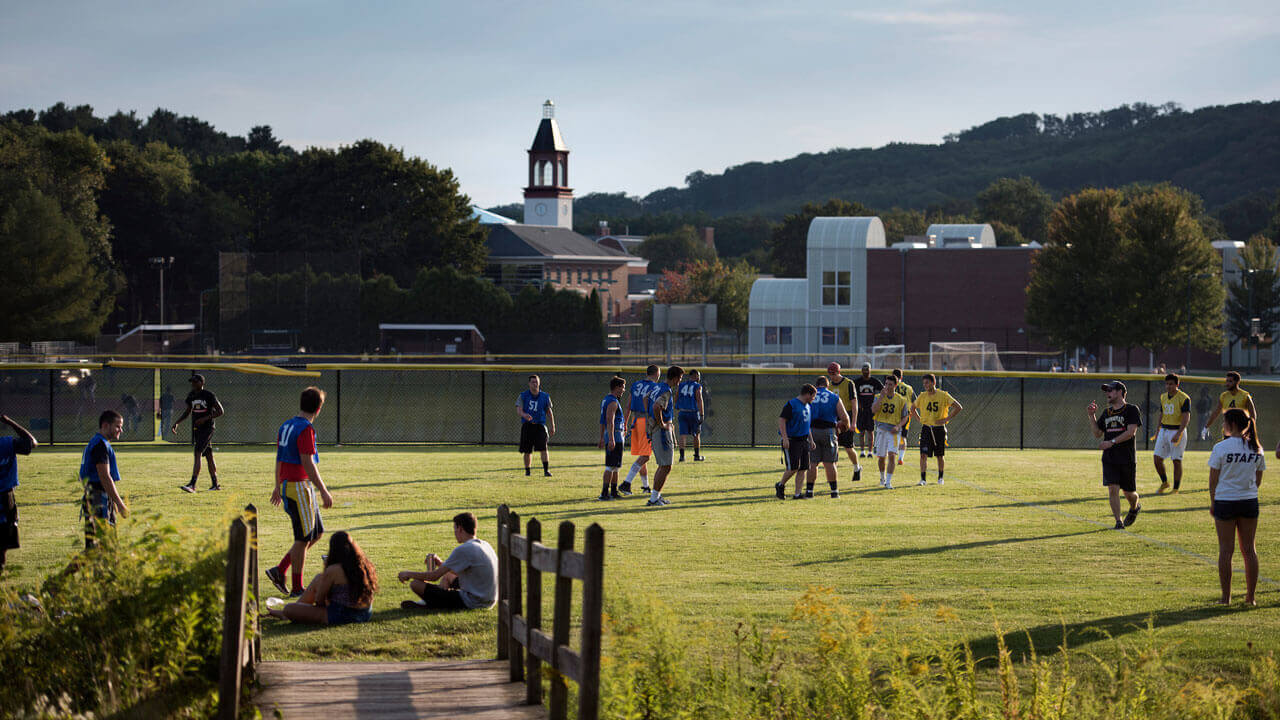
(248, 368)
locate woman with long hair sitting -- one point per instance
(1235, 473)
(342, 594)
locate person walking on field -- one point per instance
(689, 404)
(1233, 397)
(1171, 438)
(889, 412)
(101, 476)
(826, 414)
(935, 408)
(10, 448)
(868, 388)
(1235, 474)
(844, 389)
(612, 430)
(537, 424)
(1116, 428)
(661, 429)
(636, 419)
(297, 479)
(795, 425)
(204, 408)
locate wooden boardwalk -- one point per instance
(479, 689)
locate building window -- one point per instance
(835, 336)
(828, 336)
(771, 336)
(784, 336)
(835, 287)
(557, 274)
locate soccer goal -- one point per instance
(964, 356)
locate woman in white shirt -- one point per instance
(1235, 473)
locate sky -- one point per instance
(646, 93)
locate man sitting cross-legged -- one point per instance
(467, 580)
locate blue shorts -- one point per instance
(689, 423)
(343, 615)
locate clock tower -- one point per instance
(548, 199)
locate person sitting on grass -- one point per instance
(468, 580)
(342, 594)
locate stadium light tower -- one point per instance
(161, 263)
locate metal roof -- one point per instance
(532, 241)
(489, 218)
(430, 326)
(975, 234)
(845, 232)
(779, 294)
(548, 138)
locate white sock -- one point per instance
(654, 495)
(635, 468)
(888, 479)
(644, 479)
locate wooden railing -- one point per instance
(240, 656)
(519, 630)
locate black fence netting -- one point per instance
(463, 405)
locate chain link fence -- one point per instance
(476, 406)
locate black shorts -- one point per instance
(865, 422)
(613, 458)
(8, 521)
(796, 456)
(202, 439)
(846, 438)
(533, 436)
(933, 440)
(1123, 475)
(1232, 509)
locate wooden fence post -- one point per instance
(515, 654)
(229, 675)
(256, 655)
(504, 593)
(533, 618)
(560, 625)
(592, 607)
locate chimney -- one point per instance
(604, 228)
(708, 236)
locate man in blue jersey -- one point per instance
(637, 411)
(662, 436)
(827, 412)
(10, 448)
(537, 423)
(297, 481)
(100, 474)
(689, 403)
(794, 425)
(613, 429)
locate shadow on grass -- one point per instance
(903, 552)
(410, 481)
(1048, 639)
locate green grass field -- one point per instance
(1022, 538)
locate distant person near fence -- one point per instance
(935, 408)
(537, 424)
(637, 422)
(1116, 428)
(1171, 435)
(909, 394)
(689, 404)
(662, 435)
(826, 415)
(868, 388)
(612, 431)
(1233, 396)
(844, 389)
(204, 409)
(795, 425)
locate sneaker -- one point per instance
(215, 486)
(780, 491)
(605, 496)
(699, 458)
(663, 501)
(1175, 491)
(614, 494)
(681, 458)
(656, 503)
(808, 492)
(625, 488)
(527, 472)
(189, 487)
(882, 482)
(277, 578)
(857, 474)
(546, 473)
(1132, 515)
(835, 493)
(922, 482)
(888, 484)
(1164, 488)
(798, 496)
(645, 488)
(939, 481)
(1119, 526)
(413, 605)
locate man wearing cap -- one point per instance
(204, 408)
(867, 388)
(1116, 429)
(848, 394)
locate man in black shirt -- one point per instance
(1116, 429)
(867, 388)
(204, 408)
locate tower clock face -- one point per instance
(540, 209)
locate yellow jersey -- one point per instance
(1172, 407)
(891, 409)
(1238, 399)
(847, 393)
(934, 407)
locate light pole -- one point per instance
(161, 263)
(1197, 276)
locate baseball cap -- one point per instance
(195, 378)
(866, 366)
(833, 367)
(1114, 385)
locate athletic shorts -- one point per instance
(304, 513)
(533, 436)
(1165, 448)
(689, 423)
(1232, 509)
(640, 445)
(8, 521)
(202, 438)
(865, 422)
(886, 441)
(613, 458)
(827, 450)
(933, 440)
(846, 438)
(796, 455)
(1123, 475)
(663, 447)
